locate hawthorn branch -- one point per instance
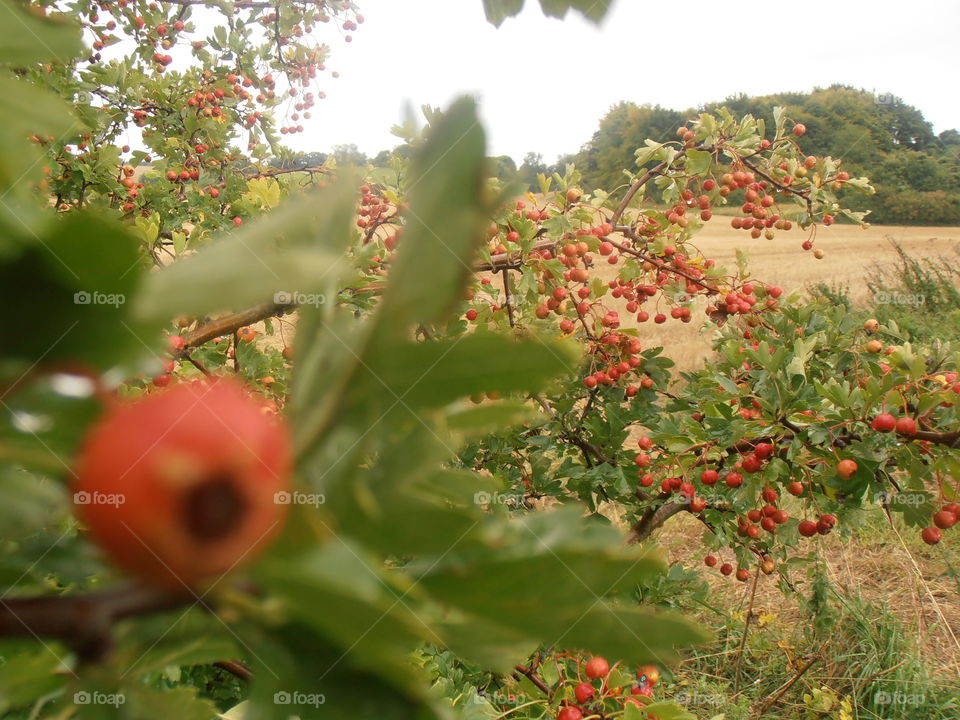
(655, 261)
(804, 194)
(228, 324)
(639, 183)
(235, 668)
(652, 519)
(532, 676)
(83, 621)
(786, 686)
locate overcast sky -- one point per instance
(544, 84)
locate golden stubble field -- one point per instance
(850, 253)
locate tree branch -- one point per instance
(83, 621)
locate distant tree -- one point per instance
(879, 136)
(950, 137)
(532, 166)
(503, 167)
(349, 155)
(621, 132)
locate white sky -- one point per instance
(544, 84)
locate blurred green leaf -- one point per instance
(73, 290)
(445, 223)
(298, 250)
(27, 37)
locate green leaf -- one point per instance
(290, 254)
(445, 225)
(344, 595)
(29, 503)
(80, 280)
(29, 675)
(668, 710)
(27, 38)
(142, 701)
(498, 10)
(698, 162)
(300, 673)
(26, 110)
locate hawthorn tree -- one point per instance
(341, 519)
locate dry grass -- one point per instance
(887, 567)
(850, 251)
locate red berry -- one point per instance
(799, 129)
(826, 523)
(570, 713)
(931, 535)
(709, 477)
(710, 560)
(884, 423)
(583, 692)
(197, 473)
(944, 519)
(763, 450)
(846, 469)
(726, 569)
(808, 528)
(471, 315)
(734, 479)
(596, 667)
(906, 426)
(795, 488)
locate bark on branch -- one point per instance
(85, 622)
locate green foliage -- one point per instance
(456, 548)
(879, 136)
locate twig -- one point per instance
(236, 668)
(532, 676)
(783, 689)
(746, 630)
(84, 621)
(508, 300)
